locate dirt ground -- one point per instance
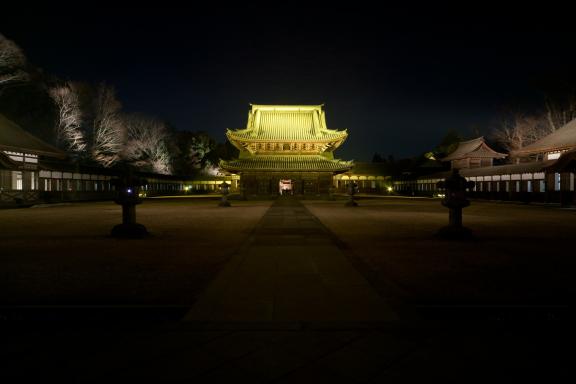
(522, 255)
(63, 254)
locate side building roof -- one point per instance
(476, 148)
(562, 139)
(369, 169)
(15, 138)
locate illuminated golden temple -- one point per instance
(286, 145)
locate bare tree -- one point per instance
(518, 130)
(69, 127)
(12, 63)
(146, 145)
(109, 132)
(211, 169)
(560, 113)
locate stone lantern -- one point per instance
(224, 189)
(128, 189)
(455, 199)
(352, 190)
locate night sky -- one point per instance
(398, 78)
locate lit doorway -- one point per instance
(285, 187)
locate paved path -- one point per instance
(290, 270)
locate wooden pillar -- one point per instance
(565, 193)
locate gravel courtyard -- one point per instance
(326, 321)
(63, 254)
(521, 255)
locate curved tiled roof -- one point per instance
(561, 139)
(287, 163)
(476, 148)
(14, 138)
(290, 123)
(293, 133)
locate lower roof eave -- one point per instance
(243, 170)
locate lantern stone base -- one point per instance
(351, 203)
(129, 231)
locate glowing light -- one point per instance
(129, 191)
(389, 189)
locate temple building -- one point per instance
(543, 171)
(32, 172)
(21, 155)
(286, 150)
(473, 154)
(369, 177)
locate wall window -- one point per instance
(17, 180)
(29, 158)
(529, 185)
(474, 163)
(556, 181)
(542, 186)
(33, 184)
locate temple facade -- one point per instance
(286, 150)
(21, 156)
(473, 154)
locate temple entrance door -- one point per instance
(285, 187)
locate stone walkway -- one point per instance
(290, 270)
